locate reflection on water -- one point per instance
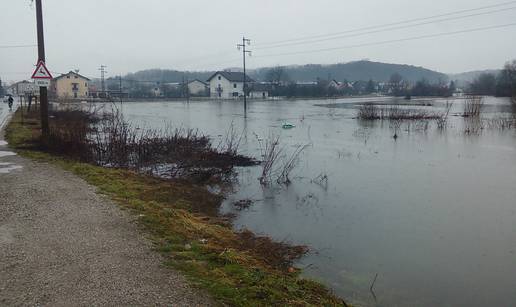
(433, 213)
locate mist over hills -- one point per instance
(467, 77)
(352, 71)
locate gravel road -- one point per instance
(61, 244)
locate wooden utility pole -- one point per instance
(43, 94)
(245, 42)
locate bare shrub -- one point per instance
(110, 141)
(473, 126)
(270, 152)
(369, 112)
(372, 112)
(500, 123)
(442, 121)
(473, 106)
(231, 141)
(289, 165)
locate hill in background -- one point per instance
(359, 70)
(353, 71)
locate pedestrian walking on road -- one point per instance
(10, 102)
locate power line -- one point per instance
(388, 24)
(16, 46)
(391, 41)
(385, 30)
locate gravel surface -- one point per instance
(61, 244)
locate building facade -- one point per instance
(227, 84)
(23, 88)
(70, 86)
(197, 88)
(259, 91)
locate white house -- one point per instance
(23, 88)
(259, 91)
(197, 88)
(227, 84)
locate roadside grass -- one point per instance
(236, 268)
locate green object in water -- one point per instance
(288, 126)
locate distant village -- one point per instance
(224, 85)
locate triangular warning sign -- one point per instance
(41, 72)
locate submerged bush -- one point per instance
(107, 139)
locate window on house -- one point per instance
(220, 78)
(235, 94)
(234, 85)
(75, 77)
(67, 77)
(86, 84)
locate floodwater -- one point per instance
(432, 213)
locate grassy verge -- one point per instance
(236, 268)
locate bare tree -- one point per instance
(277, 75)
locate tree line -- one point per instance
(502, 85)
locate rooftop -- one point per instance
(232, 76)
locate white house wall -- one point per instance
(227, 87)
(196, 88)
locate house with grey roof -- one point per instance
(228, 85)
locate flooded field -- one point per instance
(432, 213)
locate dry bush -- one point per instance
(372, 112)
(289, 164)
(442, 121)
(500, 123)
(473, 106)
(368, 112)
(109, 140)
(270, 152)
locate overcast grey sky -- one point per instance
(131, 35)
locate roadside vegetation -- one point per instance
(178, 212)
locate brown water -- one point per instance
(433, 213)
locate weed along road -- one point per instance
(61, 244)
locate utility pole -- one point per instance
(102, 79)
(43, 94)
(187, 89)
(245, 52)
(120, 88)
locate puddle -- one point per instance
(6, 168)
(6, 154)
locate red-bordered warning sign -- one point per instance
(41, 72)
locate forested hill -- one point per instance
(353, 71)
(167, 75)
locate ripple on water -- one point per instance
(6, 168)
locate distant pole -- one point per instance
(41, 57)
(245, 42)
(187, 89)
(120, 88)
(102, 79)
